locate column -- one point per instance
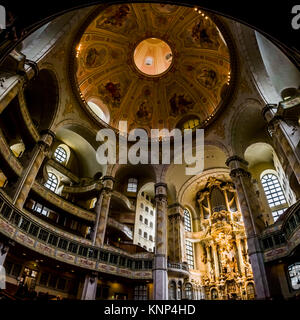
(281, 143)
(176, 234)
(210, 273)
(102, 210)
(250, 212)
(216, 260)
(30, 173)
(240, 256)
(90, 287)
(160, 271)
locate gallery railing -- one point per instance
(281, 238)
(28, 232)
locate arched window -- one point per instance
(151, 224)
(141, 218)
(146, 221)
(132, 185)
(99, 111)
(294, 274)
(188, 244)
(145, 235)
(93, 203)
(188, 291)
(52, 182)
(274, 194)
(60, 155)
(172, 290)
(191, 124)
(140, 232)
(179, 291)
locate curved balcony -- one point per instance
(94, 188)
(17, 226)
(11, 89)
(280, 239)
(119, 197)
(121, 227)
(26, 120)
(61, 203)
(9, 158)
(178, 269)
(90, 190)
(59, 167)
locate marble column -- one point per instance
(160, 270)
(102, 210)
(240, 256)
(281, 142)
(250, 210)
(176, 234)
(216, 260)
(30, 173)
(209, 267)
(90, 287)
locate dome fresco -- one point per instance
(153, 65)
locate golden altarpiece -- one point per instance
(223, 261)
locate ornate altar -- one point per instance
(225, 268)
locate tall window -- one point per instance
(294, 273)
(60, 155)
(188, 291)
(188, 244)
(179, 291)
(172, 290)
(132, 185)
(52, 182)
(274, 194)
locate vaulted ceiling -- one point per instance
(197, 65)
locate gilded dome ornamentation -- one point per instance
(176, 51)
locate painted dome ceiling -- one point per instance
(153, 65)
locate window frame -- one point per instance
(274, 193)
(61, 155)
(49, 184)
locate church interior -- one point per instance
(74, 229)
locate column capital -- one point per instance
(160, 184)
(236, 159)
(240, 172)
(161, 191)
(46, 139)
(175, 205)
(108, 178)
(108, 183)
(48, 132)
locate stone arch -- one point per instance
(247, 126)
(43, 90)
